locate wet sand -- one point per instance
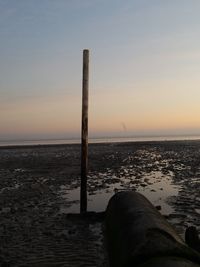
(39, 186)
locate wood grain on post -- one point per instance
(84, 133)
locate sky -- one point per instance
(144, 67)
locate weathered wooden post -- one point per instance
(84, 133)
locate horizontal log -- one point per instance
(138, 235)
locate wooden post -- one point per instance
(84, 133)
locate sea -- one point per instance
(97, 140)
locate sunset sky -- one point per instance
(144, 67)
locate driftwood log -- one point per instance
(138, 235)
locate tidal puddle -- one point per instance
(96, 202)
(156, 186)
(159, 189)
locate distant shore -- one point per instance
(43, 142)
(61, 142)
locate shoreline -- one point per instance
(139, 143)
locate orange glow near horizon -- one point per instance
(62, 115)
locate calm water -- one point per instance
(158, 190)
(97, 140)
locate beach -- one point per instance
(40, 185)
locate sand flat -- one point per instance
(39, 186)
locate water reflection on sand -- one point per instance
(156, 186)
